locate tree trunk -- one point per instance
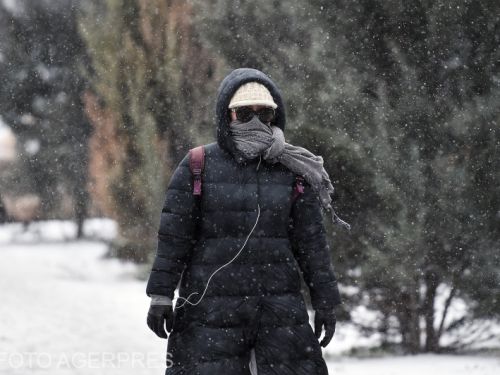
(409, 317)
(431, 339)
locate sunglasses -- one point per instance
(246, 113)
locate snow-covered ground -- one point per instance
(64, 309)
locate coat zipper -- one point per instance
(258, 185)
(261, 274)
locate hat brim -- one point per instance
(241, 103)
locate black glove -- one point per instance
(328, 319)
(157, 316)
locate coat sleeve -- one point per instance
(311, 250)
(176, 233)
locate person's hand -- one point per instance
(328, 319)
(158, 315)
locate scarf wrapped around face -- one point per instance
(254, 138)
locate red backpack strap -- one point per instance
(298, 187)
(196, 163)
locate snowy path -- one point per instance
(64, 310)
(61, 301)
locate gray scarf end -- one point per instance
(338, 220)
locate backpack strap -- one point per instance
(298, 188)
(196, 164)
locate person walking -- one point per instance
(238, 253)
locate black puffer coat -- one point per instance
(254, 302)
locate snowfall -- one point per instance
(67, 309)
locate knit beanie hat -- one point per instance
(252, 93)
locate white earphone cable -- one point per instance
(186, 300)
